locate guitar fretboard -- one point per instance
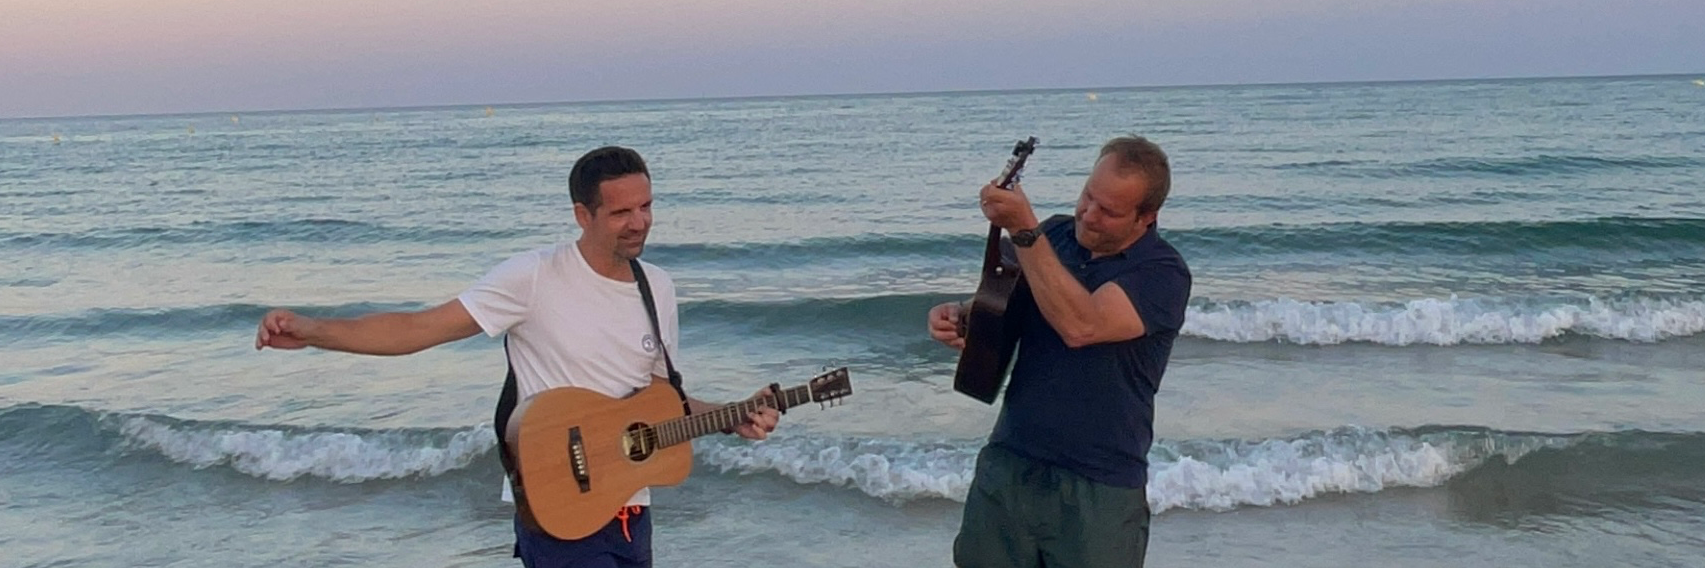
(692, 426)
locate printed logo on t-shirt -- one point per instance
(649, 343)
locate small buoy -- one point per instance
(235, 120)
(1093, 96)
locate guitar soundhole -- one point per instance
(640, 441)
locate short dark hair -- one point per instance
(598, 166)
(1137, 155)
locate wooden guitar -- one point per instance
(990, 337)
(581, 455)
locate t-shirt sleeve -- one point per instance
(500, 300)
(1160, 292)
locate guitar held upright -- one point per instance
(991, 337)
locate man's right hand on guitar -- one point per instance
(944, 325)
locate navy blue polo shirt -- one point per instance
(1091, 410)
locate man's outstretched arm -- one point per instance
(389, 333)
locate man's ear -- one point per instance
(1148, 219)
(582, 215)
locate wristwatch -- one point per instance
(1023, 238)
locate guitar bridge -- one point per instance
(577, 458)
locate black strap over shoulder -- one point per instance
(657, 332)
(510, 396)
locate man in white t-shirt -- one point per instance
(574, 317)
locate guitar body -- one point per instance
(991, 337)
(553, 430)
(579, 455)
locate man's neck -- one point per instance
(1125, 245)
(605, 262)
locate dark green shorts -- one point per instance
(1025, 513)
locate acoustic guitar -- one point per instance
(990, 336)
(581, 455)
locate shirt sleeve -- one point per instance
(1160, 291)
(501, 299)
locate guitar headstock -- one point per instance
(831, 386)
(1015, 165)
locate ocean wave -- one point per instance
(1588, 240)
(1669, 235)
(283, 454)
(272, 452)
(180, 320)
(1531, 239)
(1523, 166)
(1209, 474)
(309, 230)
(1197, 474)
(1213, 475)
(1451, 321)
(864, 316)
(967, 247)
(1427, 321)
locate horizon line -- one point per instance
(518, 104)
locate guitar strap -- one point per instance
(507, 399)
(656, 332)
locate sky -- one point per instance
(98, 57)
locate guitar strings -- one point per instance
(680, 426)
(683, 427)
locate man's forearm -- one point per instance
(1063, 301)
(372, 334)
(700, 406)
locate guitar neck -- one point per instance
(692, 426)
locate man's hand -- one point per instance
(759, 424)
(944, 325)
(1008, 209)
(282, 329)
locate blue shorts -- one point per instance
(624, 543)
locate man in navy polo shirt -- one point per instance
(1062, 479)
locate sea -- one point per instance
(1434, 324)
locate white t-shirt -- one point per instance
(570, 326)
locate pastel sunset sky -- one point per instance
(79, 57)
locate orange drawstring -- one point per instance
(623, 514)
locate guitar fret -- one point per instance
(686, 428)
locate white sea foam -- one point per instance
(280, 454)
(1449, 321)
(1211, 475)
